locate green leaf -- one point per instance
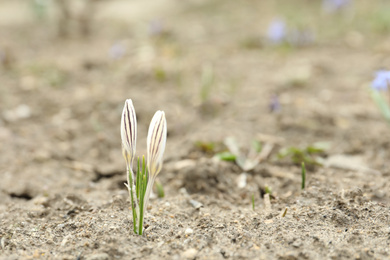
(257, 146)
(226, 156)
(207, 147)
(303, 175)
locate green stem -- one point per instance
(142, 179)
(138, 180)
(133, 206)
(303, 175)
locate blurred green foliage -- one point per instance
(309, 155)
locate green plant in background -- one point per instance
(206, 147)
(160, 74)
(309, 155)
(40, 8)
(160, 190)
(247, 161)
(379, 87)
(303, 173)
(140, 185)
(380, 19)
(268, 190)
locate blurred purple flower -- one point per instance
(381, 81)
(332, 6)
(117, 51)
(155, 27)
(274, 104)
(277, 31)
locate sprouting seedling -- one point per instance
(246, 162)
(141, 184)
(310, 155)
(253, 202)
(303, 173)
(268, 190)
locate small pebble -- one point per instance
(196, 204)
(20, 112)
(188, 231)
(101, 256)
(183, 191)
(189, 254)
(241, 180)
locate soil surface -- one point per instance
(64, 77)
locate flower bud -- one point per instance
(129, 132)
(157, 138)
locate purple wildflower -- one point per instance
(277, 31)
(381, 81)
(332, 6)
(274, 104)
(117, 51)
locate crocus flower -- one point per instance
(156, 140)
(381, 81)
(157, 137)
(129, 133)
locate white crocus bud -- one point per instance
(129, 132)
(157, 138)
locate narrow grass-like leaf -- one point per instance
(303, 175)
(133, 207)
(137, 182)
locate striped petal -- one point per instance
(129, 132)
(157, 138)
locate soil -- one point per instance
(208, 65)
